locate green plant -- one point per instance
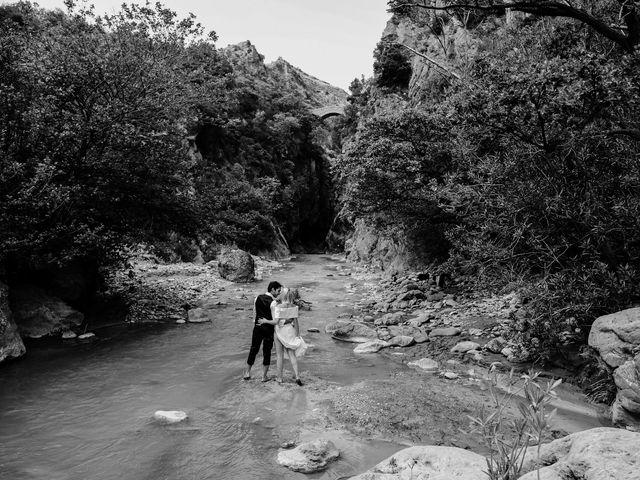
(508, 439)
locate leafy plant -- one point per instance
(509, 439)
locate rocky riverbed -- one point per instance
(412, 317)
(191, 355)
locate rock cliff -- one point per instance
(312, 91)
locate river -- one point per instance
(85, 411)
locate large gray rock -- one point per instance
(353, 332)
(236, 265)
(37, 313)
(615, 336)
(627, 379)
(309, 457)
(596, 454)
(429, 462)
(11, 345)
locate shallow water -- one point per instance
(86, 411)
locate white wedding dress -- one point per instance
(286, 332)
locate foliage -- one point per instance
(509, 439)
(542, 179)
(94, 112)
(391, 68)
(100, 119)
(393, 165)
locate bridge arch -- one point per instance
(328, 111)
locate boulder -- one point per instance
(331, 328)
(427, 364)
(352, 332)
(170, 416)
(198, 315)
(495, 345)
(421, 337)
(401, 341)
(38, 314)
(596, 454)
(11, 345)
(615, 335)
(390, 319)
(309, 457)
(371, 347)
(432, 462)
(445, 332)
(464, 347)
(420, 320)
(236, 265)
(627, 379)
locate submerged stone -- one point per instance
(309, 457)
(170, 416)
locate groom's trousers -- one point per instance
(262, 334)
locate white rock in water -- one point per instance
(86, 336)
(68, 335)
(371, 347)
(463, 347)
(427, 364)
(170, 416)
(181, 321)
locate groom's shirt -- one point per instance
(263, 309)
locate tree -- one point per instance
(617, 20)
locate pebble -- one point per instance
(86, 336)
(181, 321)
(313, 330)
(450, 375)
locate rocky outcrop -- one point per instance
(389, 254)
(309, 457)
(626, 409)
(236, 265)
(596, 454)
(314, 92)
(616, 336)
(11, 345)
(432, 462)
(38, 314)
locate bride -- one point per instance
(287, 333)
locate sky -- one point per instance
(332, 40)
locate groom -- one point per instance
(262, 332)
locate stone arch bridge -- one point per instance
(329, 111)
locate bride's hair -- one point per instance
(287, 295)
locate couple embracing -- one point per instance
(275, 320)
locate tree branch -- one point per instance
(432, 61)
(629, 15)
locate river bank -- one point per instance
(85, 410)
